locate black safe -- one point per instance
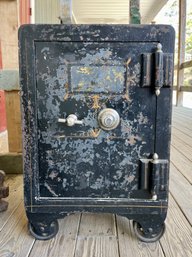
(96, 111)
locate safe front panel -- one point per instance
(84, 78)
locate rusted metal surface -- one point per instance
(80, 71)
(4, 192)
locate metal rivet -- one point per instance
(154, 197)
(157, 92)
(155, 156)
(42, 229)
(159, 47)
(150, 230)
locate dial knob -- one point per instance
(108, 119)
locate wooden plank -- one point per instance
(13, 115)
(186, 150)
(181, 190)
(180, 125)
(187, 64)
(184, 65)
(182, 117)
(130, 246)
(63, 244)
(93, 224)
(181, 49)
(185, 115)
(2, 113)
(182, 163)
(181, 109)
(14, 199)
(184, 88)
(1, 60)
(182, 136)
(8, 34)
(102, 246)
(3, 143)
(182, 128)
(14, 237)
(11, 163)
(9, 80)
(97, 236)
(177, 240)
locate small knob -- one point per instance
(71, 120)
(108, 119)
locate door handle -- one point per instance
(71, 120)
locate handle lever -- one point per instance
(71, 120)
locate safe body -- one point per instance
(99, 74)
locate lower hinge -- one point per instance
(153, 175)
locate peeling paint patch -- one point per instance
(50, 190)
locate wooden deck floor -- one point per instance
(88, 235)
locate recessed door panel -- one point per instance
(80, 155)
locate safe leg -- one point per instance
(42, 226)
(149, 229)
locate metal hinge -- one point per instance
(157, 69)
(153, 175)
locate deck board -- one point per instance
(180, 188)
(129, 246)
(14, 199)
(97, 236)
(182, 147)
(103, 235)
(64, 244)
(15, 239)
(177, 240)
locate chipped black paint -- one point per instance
(82, 70)
(70, 156)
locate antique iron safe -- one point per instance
(96, 105)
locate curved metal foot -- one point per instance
(149, 235)
(44, 231)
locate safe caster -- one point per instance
(150, 235)
(44, 231)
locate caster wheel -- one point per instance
(150, 236)
(44, 232)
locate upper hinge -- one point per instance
(157, 69)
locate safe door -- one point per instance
(95, 120)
